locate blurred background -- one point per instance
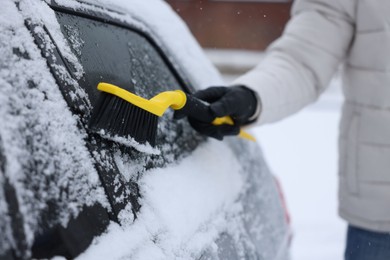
(300, 150)
(234, 24)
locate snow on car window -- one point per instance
(74, 39)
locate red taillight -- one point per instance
(282, 198)
(286, 212)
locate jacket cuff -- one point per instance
(253, 118)
(256, 115)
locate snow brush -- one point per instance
(121, 113)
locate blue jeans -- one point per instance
(367, 245)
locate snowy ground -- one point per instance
(302, 151)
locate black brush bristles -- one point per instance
(114, 117)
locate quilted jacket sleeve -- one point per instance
(299, 65)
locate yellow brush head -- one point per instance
(157, 105)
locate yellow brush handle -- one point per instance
(228, 120)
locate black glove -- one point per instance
(238, 102)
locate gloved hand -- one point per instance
(238, 102)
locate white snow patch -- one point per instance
(184, 208)
(130, 142)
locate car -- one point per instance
(66, 191)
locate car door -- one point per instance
(118, 54)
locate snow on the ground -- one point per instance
(302, 151)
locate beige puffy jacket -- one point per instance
(321, 35)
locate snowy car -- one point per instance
(66, 191)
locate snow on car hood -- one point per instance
(184, 208)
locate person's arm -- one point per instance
(295, 71)
(299, 65)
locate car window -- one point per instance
(127, 58)
(116, 55)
